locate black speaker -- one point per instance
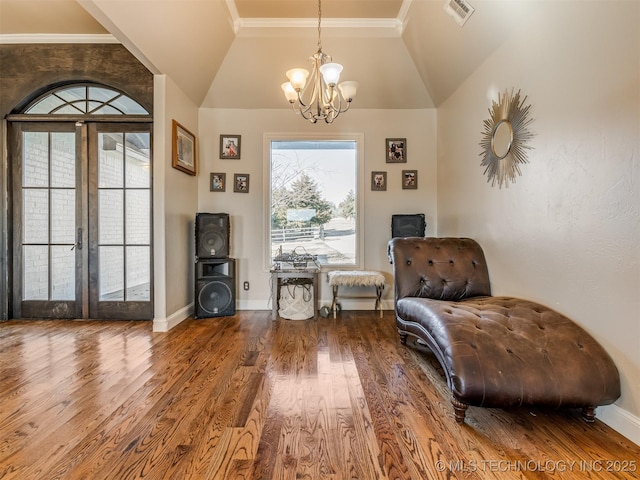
(212, 235)
(215, 288)
(408, 225)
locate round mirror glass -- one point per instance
(501, 139)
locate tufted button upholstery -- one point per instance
(496, 351)
(446, 270)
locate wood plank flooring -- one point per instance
(245, 397)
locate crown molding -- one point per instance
(339, 27)
(55, 38)
(377, 27)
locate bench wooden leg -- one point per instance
(378, 301)
(334, 303)
(589, 414)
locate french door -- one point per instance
(81, 225)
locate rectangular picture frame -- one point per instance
(396, 150)
(230, 147)
(217, 182)
(184, 149)
(409, 179)
(241, 182)
(379, 181)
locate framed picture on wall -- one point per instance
(184, 149)
(379, 181)
(230, 147)
(218, 182)
(241, 182)
(409, 179)
(396, 150)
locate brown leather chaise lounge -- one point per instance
(495, 351)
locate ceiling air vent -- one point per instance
(459, 10)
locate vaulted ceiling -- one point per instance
(233, 53)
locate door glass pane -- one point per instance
(35, 159)
(110, 164)
(35, 215)
(63, 213)
(111, 281)
(63, 159)
(35, 272)
(138, 217)
(138, 161)
(63, 278)
(138, 273)
(124, 216)
(110, 216)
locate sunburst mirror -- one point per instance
(505, 137)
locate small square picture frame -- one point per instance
(230, 147)
(217, 182)
(396, 150)
(241, 182)
(378, 181)
(409, 179)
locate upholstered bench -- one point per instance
(495, 351)
(356, 278)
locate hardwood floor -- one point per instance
(243, 397)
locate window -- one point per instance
(85, 100)
(313, 198)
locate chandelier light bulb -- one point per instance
(298, 77)
(331, 73)
(289, 92)
(348, 89)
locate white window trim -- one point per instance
(266, 178)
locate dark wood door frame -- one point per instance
(86, 304)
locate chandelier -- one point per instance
(320, 100)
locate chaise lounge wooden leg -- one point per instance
(459, 410)
(589, 414)
(403, 337)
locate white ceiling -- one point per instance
(233, 53)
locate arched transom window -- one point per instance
(85, 100)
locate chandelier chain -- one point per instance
(319, 17)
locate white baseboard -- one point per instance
(347, 304)
(621, 421)
(253, 305)
(166, 324)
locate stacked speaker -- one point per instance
(215, 282)
(413, 225)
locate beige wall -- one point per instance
(247, 210)
(567, 233)
(175, 200)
